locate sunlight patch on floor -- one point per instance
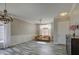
(42, 42)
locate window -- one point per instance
(45, 29)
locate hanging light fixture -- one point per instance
(4, 17)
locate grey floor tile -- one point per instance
(35, 48)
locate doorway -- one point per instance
(45, 29)
(44, 32)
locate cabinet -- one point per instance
(72, 45)
(75, 46)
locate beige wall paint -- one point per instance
(37, 29)
(19, 27)
(22, 31)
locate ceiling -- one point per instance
(33, 12)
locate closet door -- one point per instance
(1, 35)
(5, 35)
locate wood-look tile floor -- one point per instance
(35, 48)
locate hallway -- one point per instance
(35, 48)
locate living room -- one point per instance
(41, 26)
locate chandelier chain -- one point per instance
(5, 5)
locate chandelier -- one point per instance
(4, 17)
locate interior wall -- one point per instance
(22, 31)
(61, 29)
(52, 31)
(37, 29)
(55, 31)
(75, 21)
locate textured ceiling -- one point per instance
(33, 12)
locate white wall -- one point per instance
(22, 31)
(52, 30)
(61, 29)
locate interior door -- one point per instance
(1, 32)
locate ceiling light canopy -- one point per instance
(63, 14)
